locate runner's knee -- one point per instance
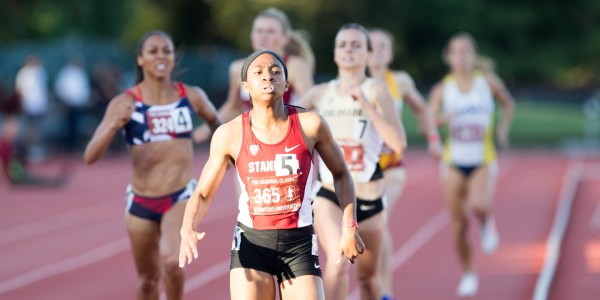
(370, 284)
(170, 264)
(367, 275)
(341, 269)
(481, 209)
(460, 225)
(148, 283)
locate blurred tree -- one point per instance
(39, 19)
(555, 41)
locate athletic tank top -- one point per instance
(289, 97)
(354, 133)
(155, 123)
(398, 100)
(470, 139)
(275, 179)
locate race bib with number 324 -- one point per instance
(178, 120)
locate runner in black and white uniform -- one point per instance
(361, 113)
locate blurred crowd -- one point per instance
(41, 118)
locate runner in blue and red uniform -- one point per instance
(156, 119)
(272, 147)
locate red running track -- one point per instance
(71, 243)
(578, 271)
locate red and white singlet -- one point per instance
(275, 179)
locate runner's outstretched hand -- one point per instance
(188, 250)
(351, 244)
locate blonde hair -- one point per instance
(298, 40)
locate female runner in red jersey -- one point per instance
(272, 147)
(156, 117)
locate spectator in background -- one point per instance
(11, 165)
(72, 87)
(32, 87)
(10, 108)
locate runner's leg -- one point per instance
(144, 236)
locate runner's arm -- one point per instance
(198, 204)
(435, 104)
(421, 111)
(204, 108)
(331, 154)
(117, 114)
(507, 105)
(379, 107)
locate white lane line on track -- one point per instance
(420, 238)
(559, 226)
(60, 221)
(95, 255)
(414, 243)
(84, 259)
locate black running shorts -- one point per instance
(285, 253)
(364, 208)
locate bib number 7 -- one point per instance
(360, 127)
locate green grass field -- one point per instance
(536, 124)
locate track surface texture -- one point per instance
(71, 242)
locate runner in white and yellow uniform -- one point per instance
(466, 99)
(401, 87)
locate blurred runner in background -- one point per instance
(465, 101)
